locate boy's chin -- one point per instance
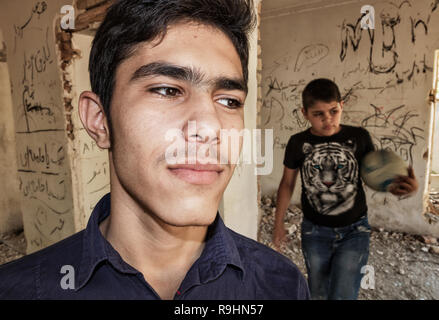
(190, 220)
(195, 215)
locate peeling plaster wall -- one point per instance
(10, 213)
(90, 164)
(44, 171)
(384, 76)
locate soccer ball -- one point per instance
(380, 168)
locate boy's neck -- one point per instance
(162, 253)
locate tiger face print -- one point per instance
(330, 176)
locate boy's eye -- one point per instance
(334, 111)
(230, 103)
(166, 91)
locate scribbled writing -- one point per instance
(34, 186)
(41, 155)
(400, 135)
(38, 9)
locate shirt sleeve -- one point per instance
(368, 144)
(291, 159)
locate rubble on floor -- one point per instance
(432, 213)
(406, 267)
(12, 246)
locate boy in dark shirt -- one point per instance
(156, 67)
(335, 228)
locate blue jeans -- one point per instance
(334, 258)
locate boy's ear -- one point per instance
(94, 119)
(304, 113)
(341, 104)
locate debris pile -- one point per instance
(406, 267)
(432, 213)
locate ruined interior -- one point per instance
(54, 173)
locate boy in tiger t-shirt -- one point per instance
(335, 228)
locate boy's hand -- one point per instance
(405, 185)
(279, 237)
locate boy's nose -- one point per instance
(204, 123)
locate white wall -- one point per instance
(240, 200)
(385, 80)
(435, 147)
(435, 142)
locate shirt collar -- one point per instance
(220, 250)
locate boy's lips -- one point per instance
(198, 173)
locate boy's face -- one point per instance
(193, 74)
(324, 117)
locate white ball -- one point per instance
(380, 168)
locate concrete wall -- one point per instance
(44, 171)
(435, 147)
(10, 213)
(435, 141)
(384, 75)
(90, 166)
(240, 200)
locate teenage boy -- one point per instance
(335, 228)
(157, 66)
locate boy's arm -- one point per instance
(284, 193)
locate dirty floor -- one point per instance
(405, 267)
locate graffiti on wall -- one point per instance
(43, 172)
(377, 70)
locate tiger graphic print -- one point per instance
(330, 176)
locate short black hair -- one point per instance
(130, 22)
(320, 90)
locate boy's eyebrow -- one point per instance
(187, 74)
(229, 84)
(167, 70)
(332, 108)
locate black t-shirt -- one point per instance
(332, 191)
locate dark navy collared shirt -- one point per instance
(86, 266)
